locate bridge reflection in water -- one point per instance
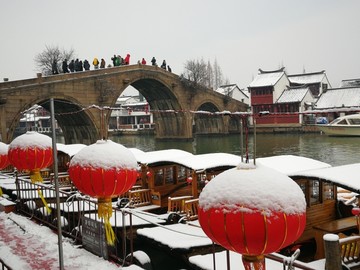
(332, 150)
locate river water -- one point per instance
(333, 150)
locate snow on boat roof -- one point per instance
(161, 156)
(346, 176)
(195, 162)
(290, 164)
(70, 149)
(211, 160)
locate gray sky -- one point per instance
(242, 35)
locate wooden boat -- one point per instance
(348, 125)
(323, 188)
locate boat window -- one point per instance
(182, 174)
(314, 192)
(328, 191)
(159, 177)
(342, 122)
(354, 121)
(169, 175)
(304, 187)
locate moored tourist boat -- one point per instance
(348, 125)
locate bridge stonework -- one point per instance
(171, 98)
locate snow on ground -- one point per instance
(26, 245)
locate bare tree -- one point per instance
(196, 71)
(204, 74)
(45, 59)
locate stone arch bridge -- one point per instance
(170, 97)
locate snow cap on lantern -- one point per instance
(104, 161)
(4, 161)
(252, 210)
(32, 152)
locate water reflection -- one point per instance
(333, 150)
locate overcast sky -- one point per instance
(243, 36)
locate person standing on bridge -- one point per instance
(143, 61)
(72, 66)
(86, 65)
(65, 66)
(96, 63)
(169, 68)
(163, 65)
(102, 63)
(153, 61)
(54, 67)
(127, 59)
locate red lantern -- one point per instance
(32, 152)
(253, 211)
(356, 212)
(189, 180)
(4, 161)
(104, 170)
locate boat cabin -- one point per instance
(177, 173)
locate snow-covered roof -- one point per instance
(350, 83)
(307, 78)
(339, 98)
(211, 160)
(70, 149)
(161, 156)
(228, 90)
(346, 176)
(184, 158)
(293, 95)
(290, 164)
(267, 79)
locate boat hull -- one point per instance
(351, 131)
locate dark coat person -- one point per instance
(54, 67)
(86, 65)
(72, 66)
(102, 63)
(153, 61)
(65, 66)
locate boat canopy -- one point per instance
(345, 176)
(69, 149)
(291, 164)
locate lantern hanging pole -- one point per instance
(241, 140)
(61, 257)
(254, 146)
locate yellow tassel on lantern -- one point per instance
(253, 262)
(35, 176)
(44, 201)
(1, 192)
(105, 212)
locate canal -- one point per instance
(333, 150)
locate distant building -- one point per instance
(279, 99)
(233, 91)
(350, 83)
(133, 114)
(316, 81)
(337, 102)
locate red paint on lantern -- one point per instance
(189, 180)
(30, 158)
(101, 183)
(4, 161)
(251, 233)
(355, 211)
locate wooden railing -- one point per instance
(350, 249)
(144, 197)
(177, 204)
(191, 209)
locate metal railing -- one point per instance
(79, 219)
